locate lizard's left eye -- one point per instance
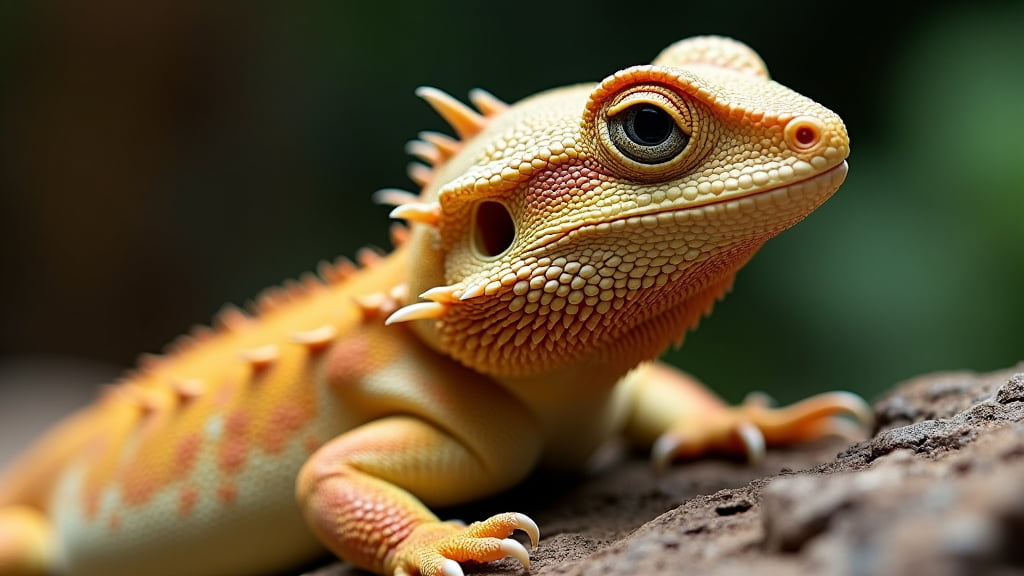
(647, 134)
(651, 133)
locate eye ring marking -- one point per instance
(804, 133)
(646, 133)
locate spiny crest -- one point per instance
(260, 358)
(399, 234)
(289, 291)
(146, 399)
(188, 389)
(381, 304)
(439, 301)
(327, 274)
(434, 149)
(316, 339)
(408, 206)
(338, 271)
(232, 319)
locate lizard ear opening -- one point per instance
(493, 229)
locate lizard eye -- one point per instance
(647, 134)
(652, 133)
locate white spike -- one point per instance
(372, 303)
(188, 389)
(419, 173)
(394, 197)
(487, 103)
(417, 311)
(446, 144)
(423, 212)
(473, 291)
(400, 292)
(442, 294)
(425, 151)
(464, 120)
(261, 357)
(317, 338)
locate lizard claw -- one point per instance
(437, 549)
(745, 435)
(510, 547)
(526, 524)
(450, 567)
(812, 418)
(753, 441)
(665, 449)
(751, 427)
(516, 550)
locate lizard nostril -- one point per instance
(493, 229)
(804, 132)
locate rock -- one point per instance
(938, 490)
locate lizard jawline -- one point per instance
(835, 174)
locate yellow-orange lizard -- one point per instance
(556, 248)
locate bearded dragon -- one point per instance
(557, 246)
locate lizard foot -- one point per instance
(749, 428)
(437, 548)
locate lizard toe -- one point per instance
(438, 549)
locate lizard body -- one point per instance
(556, 248)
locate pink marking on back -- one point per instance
(187, 500)
(139, 484)
(285, 420)
(224, 395)
(227, 493)
(311, 443)
(91, 503)
(187, 453)
(348, 361)
(114, 523)
(234, 448)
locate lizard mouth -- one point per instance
(806, 194)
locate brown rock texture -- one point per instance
(937, 490)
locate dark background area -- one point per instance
(158, 159)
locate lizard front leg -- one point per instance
(363, 495)
(680, 418)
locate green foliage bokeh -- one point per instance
(285, 117)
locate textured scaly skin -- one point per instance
(556, 248)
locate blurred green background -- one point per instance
(161, 158)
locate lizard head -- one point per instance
(599, 223)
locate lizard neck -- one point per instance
(575, 408)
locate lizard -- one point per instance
(556, 248)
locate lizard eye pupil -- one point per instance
(647, 134)
(648, 126)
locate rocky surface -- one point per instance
(938, 490)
